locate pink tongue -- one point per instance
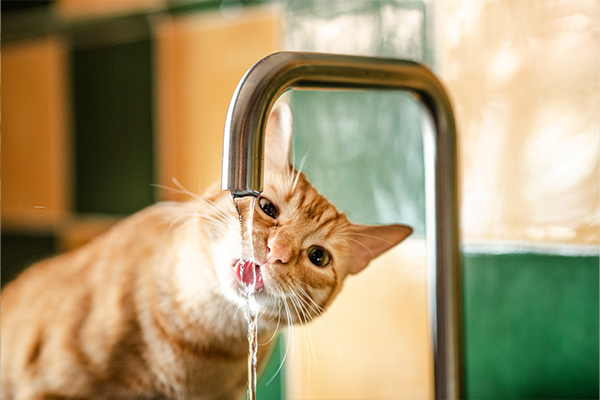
(248, 274)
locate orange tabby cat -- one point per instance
(153, 309)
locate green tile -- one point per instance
(113, 115)
(271, 382)
(531, 326)
(20, 250)
(364, 152)
(363, 149)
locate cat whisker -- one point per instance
(325, 320)
(360, 243)
(221, 215)
(289, 324)
(184, 189)
(282, 363)
(178, 219)
(304, 320)
(220, 225)
(174, 190)
(299, 170)
(196, 216)
(375, 237)
(274, 298)
(180, 189)
(320, 311)
(307, 307)
(274, 315)
(226, 213)
(301, 301)
(317, 309)
(301, 307)
(278, 321)
(289, 175)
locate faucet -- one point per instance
(242, 172)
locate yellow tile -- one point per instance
(524, 77)
(374, 342)
(35, 178)
(201, 59)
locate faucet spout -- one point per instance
(242, 171)
(260, 87)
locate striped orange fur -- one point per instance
(152, 309)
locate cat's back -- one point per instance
(128, 243)
(65, 319)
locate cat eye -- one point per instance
(268, 208)
(318, 256)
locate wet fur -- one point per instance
(152, 308)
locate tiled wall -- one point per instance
(531, 326)
(523, 78)
(105, 105)
(364, 151)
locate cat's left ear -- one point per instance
(278, 137)
(369, 241)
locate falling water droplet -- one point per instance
(245, 208)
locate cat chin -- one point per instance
(231, 287)
(235, 292)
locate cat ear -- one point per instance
(278, 137)
(369, 241)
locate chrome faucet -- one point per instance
(242, 171)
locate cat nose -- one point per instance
(277, 255)
(280, 249)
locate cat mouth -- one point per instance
(248, 275)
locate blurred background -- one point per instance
(105, 102)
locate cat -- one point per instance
(153, 309)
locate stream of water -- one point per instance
(245, 208)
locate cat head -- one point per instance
(303, 247)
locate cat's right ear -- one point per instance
(278, 137)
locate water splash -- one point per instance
(247, 270)
(245, 208)
(251, 315)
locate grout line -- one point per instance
(512, 247)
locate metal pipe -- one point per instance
(243, 168)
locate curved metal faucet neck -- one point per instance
(270, 77)
(243, 168)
